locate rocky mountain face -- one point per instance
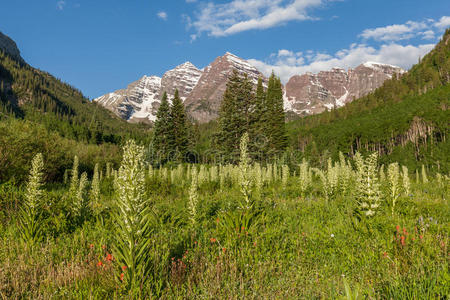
(140, 101)
(9, 46)
(202, 90)
(203, 103)
(313, 93)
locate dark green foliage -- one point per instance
(161, 130)
(21, 140)
(257, 120)
(178, 129)
(260, 114)
(275, 117)
(173, 133)
(233, 117)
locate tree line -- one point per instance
(257, 110)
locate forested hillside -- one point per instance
(39, 113)
(406, 119)
(34, 95)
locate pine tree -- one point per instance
(274, 117)
(258, 140)
(161, 131)
(230, 121)
(235, 114)
(178, 128)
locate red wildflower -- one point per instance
(91, 246)
(224, 250)
(398, 228)
(122, 276)
(99, 264)
(254, 244)
(109, 257)
(103, 247)
(421, 236)
(385, 254)
(413, 238)
(217, 220)
(213, 240)
(405, 232)
(402, 239)
(124, 268)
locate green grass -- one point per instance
(293, 247)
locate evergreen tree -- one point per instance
(256, 127)
(178, 128)
(232, 119)
(275, 117)
(161, 131)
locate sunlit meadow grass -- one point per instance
(259, 235)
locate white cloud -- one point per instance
(60, 4)
(162, 15)
(243, 15)
(428, 35)
(443, 23)
(191, 1)
(289, 63)
(395, 32)
(411, 29)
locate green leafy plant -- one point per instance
(30, 222)
(132, 218)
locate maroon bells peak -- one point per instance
(202, 90)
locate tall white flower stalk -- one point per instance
(74, 180)
(244, 176)
(108, 170)
(394, 184)
(258, 180)
(345, 174)
(367, 185)
(406, 181)
(94, 193)
(29, 220)
(329, 180)
(193, 196)
(305, 177)
(424, 175)
(222, 177)
(284, 175)
(131, 216)
(80, 203)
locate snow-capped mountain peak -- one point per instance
(202, 90)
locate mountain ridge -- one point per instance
(202, 89)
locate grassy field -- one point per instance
(351, 230)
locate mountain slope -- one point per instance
(314, 93)
(406, 118)
(139, 102)
(202, 90)
(29, 93)
(203, 103)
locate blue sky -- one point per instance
(102, 45)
